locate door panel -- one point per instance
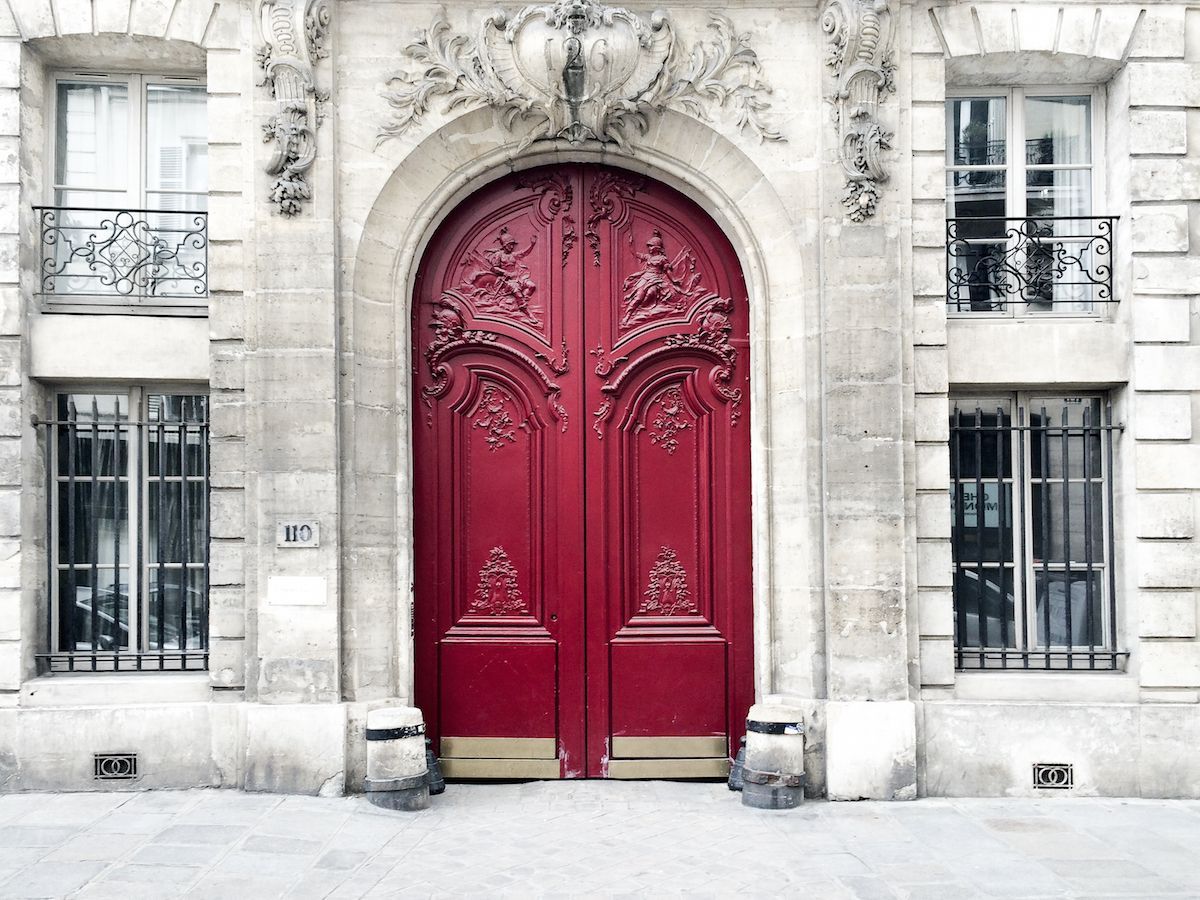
(582, 478)
(498, 612)
(668, 578)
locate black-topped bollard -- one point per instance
(397, 776)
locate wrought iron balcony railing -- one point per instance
(124, 257)
(1051, 263)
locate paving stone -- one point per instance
(46, 879)
(199, 834)
(602, 839)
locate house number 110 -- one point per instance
(298, 534)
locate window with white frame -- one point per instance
(126, 221)
(1022, 188)
(1032, 530)
(127, 514)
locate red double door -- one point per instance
(582, 482)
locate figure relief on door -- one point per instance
(664, 287)
(499, 282)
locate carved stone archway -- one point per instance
(429, 181)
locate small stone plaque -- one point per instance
(296, 590)
(298, 533)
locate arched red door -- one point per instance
(582, 481)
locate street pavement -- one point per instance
(559, 839)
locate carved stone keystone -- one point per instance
(579, 71)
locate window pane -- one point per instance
(92, 518)
(1059, 192)
(984, 607)
(176, 146)
(975, 193)
(1054, 526)
(181, 416)
(92, 135)
(176, 609)
(978, 131)
(111, 604)
(1055, 597)
(1058, 130)
(988, 539)
(980, 439)
(1048, 445)
(80, 449)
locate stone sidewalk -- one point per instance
(590, 838)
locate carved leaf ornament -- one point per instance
(578, 70)
(497, 593)
(667, 592)
(860, 55)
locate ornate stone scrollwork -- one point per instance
(294, 32)
(578, 70)
(860, 54)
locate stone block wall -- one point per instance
(1143, 350)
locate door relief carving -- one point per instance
(667, 593)
(663, 286)
(498, 593)
(451, 336)
(496, 406)
(669, 420)
(554, 195)
(501, 283)
(607, 199)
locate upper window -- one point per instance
(126, 222)
(1021, 195)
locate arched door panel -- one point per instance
(582, 470)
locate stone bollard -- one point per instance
(774, 768)
(397, 777)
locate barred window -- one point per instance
(128, 531)
(1031, 500)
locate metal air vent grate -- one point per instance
(115, 766)
(1054, 776)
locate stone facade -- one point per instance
(305, 353)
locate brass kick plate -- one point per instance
(667, 747)
(499, 768)
(668, 768)
(498, 748)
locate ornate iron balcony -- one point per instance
(126, 257)
(1052, 263)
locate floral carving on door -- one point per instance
(500, 282)
(669, 419)
(667, 593)
(663, 287)
(497, 593)
(495, 417)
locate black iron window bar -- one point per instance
(157, 620)
(987, 573)
(124, 256)
(1044, 261)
